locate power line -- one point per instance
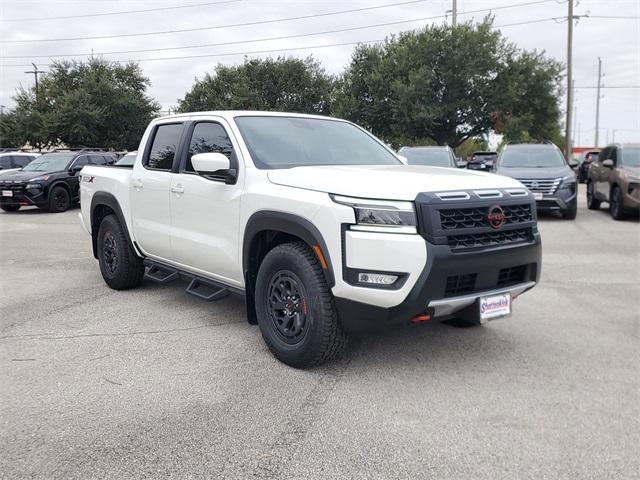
(612, 86)
(285, 37)
(214, 27)
(125, 12)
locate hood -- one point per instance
(632, 171)
(390, 182)
(537, 173)
(21, 176)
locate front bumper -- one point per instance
(558, 201)
(450, 284)
(21, 196)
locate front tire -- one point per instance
(295, 308)
(59, 200)
(616, 204)
(10, 208)
(121, 268)
(592, 202)
(572, 211)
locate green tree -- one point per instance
(281, 84)
(470, 145)
(442, 83)
(528, 109)
(96, 103)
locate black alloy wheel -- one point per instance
(110, 252)
(59, 200)
(288, 306)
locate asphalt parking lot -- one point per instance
(154, 383)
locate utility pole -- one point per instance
(598, 100)
(575, 116)
(454, 13)
(35, 72)
(567, 133)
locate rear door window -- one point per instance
(81, 161)
(163, 147)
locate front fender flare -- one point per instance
(285, 223)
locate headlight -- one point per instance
(33, 186)
(381, 215)
(568, 182)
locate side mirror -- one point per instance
(573, 163)
(213, 165)
(75, 169)
(608, 163)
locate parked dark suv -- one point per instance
(544, 171)
(482, 161)
(50, 181)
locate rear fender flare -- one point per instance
(108, 200)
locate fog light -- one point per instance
(377, 278)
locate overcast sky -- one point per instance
(616, 41)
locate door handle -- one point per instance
(177, 189)
(137, 184)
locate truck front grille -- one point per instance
(489, 239)
(456, 218)
(547, 186)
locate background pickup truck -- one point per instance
(315, 222)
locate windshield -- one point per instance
(531, 158)
(631, 157)
(435, 157)
(53, 162)
(284, 142)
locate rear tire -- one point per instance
(295, 308)
(592, 202)
(616, 204)
(121, 268)
(59, 200)
(10, 208)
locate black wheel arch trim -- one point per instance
(108, 200)
(271, 220)
(285, 223)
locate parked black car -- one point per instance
(544, 171)
(482, 161)
(585, 163)
(50, 181)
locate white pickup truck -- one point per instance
(318, 224)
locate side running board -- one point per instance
(206, 290)
(160, 274)
(202, 288)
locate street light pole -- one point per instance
(567, 133)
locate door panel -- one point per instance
(150, 189)
(205, 213)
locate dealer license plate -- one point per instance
(495, 306)
(7, 193)
(537, 196)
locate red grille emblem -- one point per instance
(496, 217)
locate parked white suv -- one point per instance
(315, 222)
